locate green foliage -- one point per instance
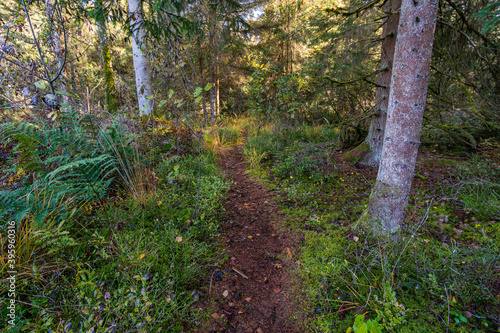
(274, 94)
(390, 314)
(360, 326)
(302, 161)
(61, 166)
(437, 268)
(482, 198)
(134, 264)
(490, 14)
(308, 146)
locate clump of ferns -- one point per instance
(73, 159)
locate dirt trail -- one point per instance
(254, 278)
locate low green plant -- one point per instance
(362, 326)
(134, 264)
(302, 161)
(253, 157)
(62, 166)
(390, 312)
(482, 198)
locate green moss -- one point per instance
(358, 154)
(109, 82)
(441, 162)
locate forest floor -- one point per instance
(251, 289)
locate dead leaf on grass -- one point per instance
(289, 253)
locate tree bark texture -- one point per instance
(389, 197)
(141, 62)
(213, 110)
(375, 138)
(109, 84)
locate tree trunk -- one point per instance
(109, 82)
(141, 62)
(204, 101)
(389, 197)
(213, 110)
(56, 46)
(212, 66)
(375, 138)
(218, 91)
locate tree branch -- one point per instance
(469, 26)
(38, 48)
(466, 36)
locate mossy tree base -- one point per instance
(386, 207)
(359, 155)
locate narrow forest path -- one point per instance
(251, 292)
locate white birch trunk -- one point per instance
(141, 62)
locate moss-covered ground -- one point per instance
(440, 273)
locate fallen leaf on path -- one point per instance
(289, 253)
(248, 299)
(225, 293)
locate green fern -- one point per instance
(70, 163)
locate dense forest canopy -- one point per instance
(140, 141)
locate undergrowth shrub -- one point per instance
(478, 186)
(303, 160)
(265, 146)
(58, 167)
(133, 265)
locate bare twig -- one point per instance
(38, 48)
(5, 42)
(61, 68)
(210, 288)
(240, 273)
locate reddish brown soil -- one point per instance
(256, 300)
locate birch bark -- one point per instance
(141, 62)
